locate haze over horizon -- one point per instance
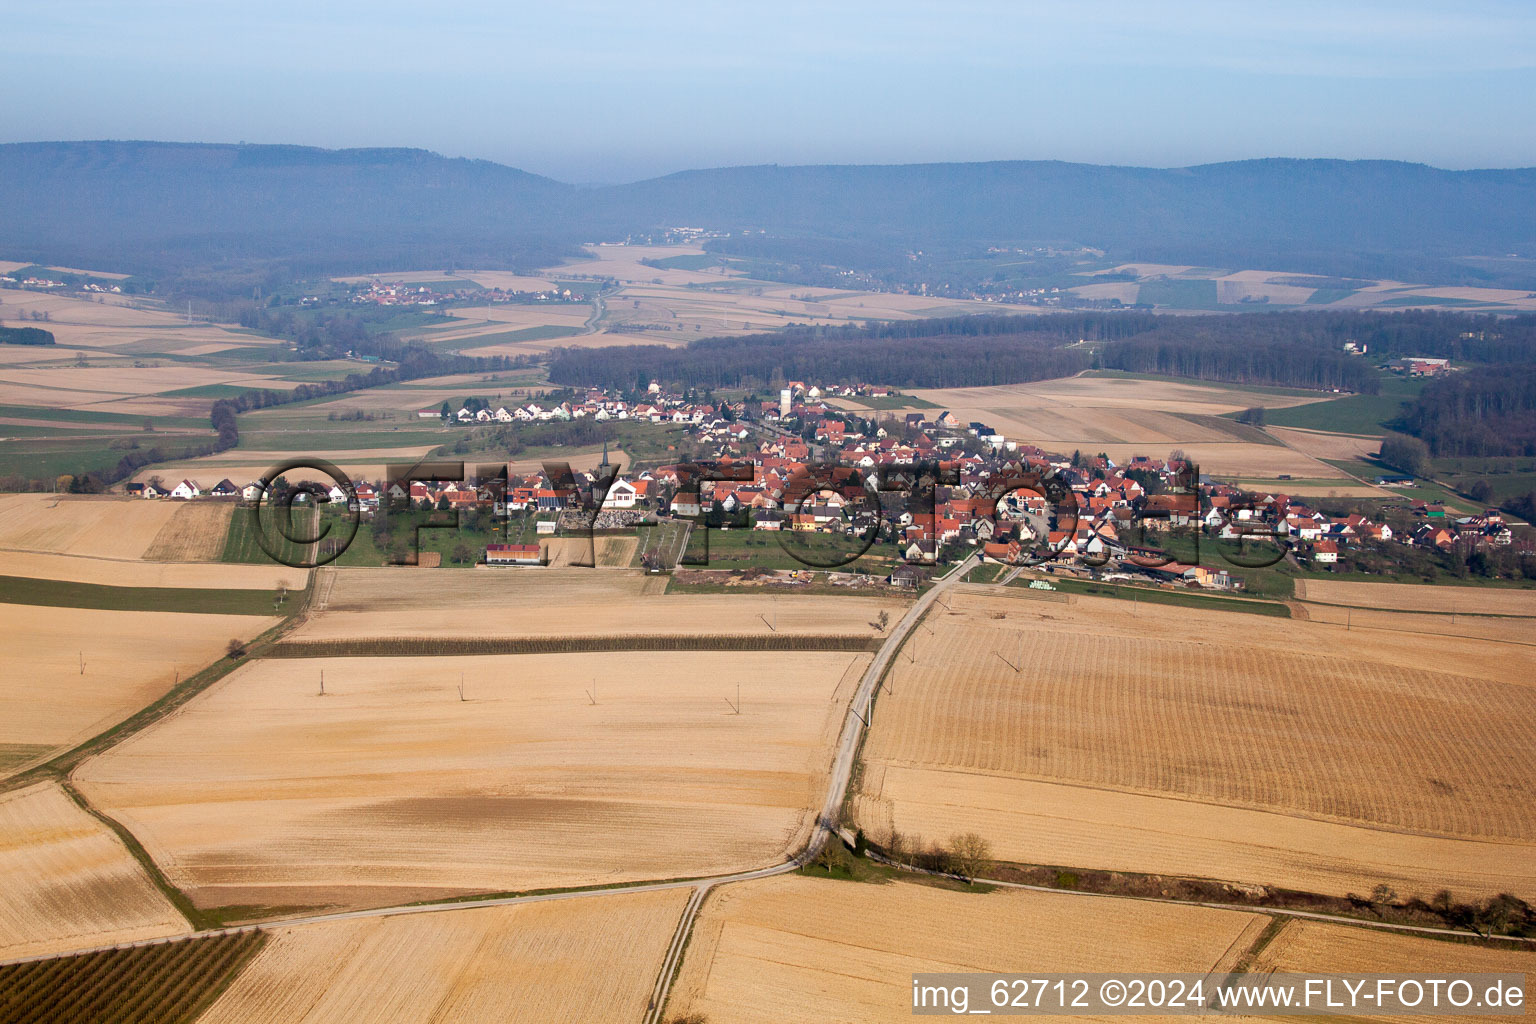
(654, 89)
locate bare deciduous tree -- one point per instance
(969, 853)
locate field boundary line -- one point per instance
(672, 961)
(389, 647)
(989, 773)
(60, 765)
(178, 899)
(1310, 915)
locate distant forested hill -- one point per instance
(166, 209)
(163, 207)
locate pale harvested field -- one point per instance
(196, 533)
(124, 572)
(508, 281)
(1159, 743)
(515, 317)
(1145, 270)
(403, 400)
(1123, 418)
(91, 273)
(793, 948)
(82, 525)
(69, 883)
(1419, 597)
(575, 961)
(40, 354)
(598, 339)
(390, 788)
(243, 466)
(885, 306)
(131, 658)
(1322, 445)
(1104, 393)
(1254, 284)
(676, 314)
(1336, 488)
(604, 552)
(1125, 291)
(622, 262)
(1419, 625)
(570, 602)
(358, 464)
(148, 380)
(1308, 946)
(109, 340)
(1234, 459)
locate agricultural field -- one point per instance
(1322, 445)
(799, 948)
(610, 552)
(1183, 287)
(1124, 417)
(69, 882)
(570, 960)
(196, 533)
(1419, 597)
(71, 524)
(689, 295)
(167, 983)
(115, 572)
(242, 466)
(382, 603)
(274, 536)
(1302, 946)
(545, 770)
(1154, 740)
(72, 672)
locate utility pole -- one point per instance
(592, 693)
(461, 686)
(322, 682)
(82, 663)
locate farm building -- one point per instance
(512, 554)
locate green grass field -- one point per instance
(62, 594)
(745, 548)
(67, 416)
(1183, 599)
(890, 402)
(1258, 390)
(543, 333)
(1325, 295)
(1354, 414)
(1180, 293)
(243, 543)
(35, 456)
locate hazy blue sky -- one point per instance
(590, 91)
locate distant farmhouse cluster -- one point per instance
(394, 293)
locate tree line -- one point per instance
(1288, 349)
(1291, 364)
(1487, 411)
(25, 336)
(948, 353)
